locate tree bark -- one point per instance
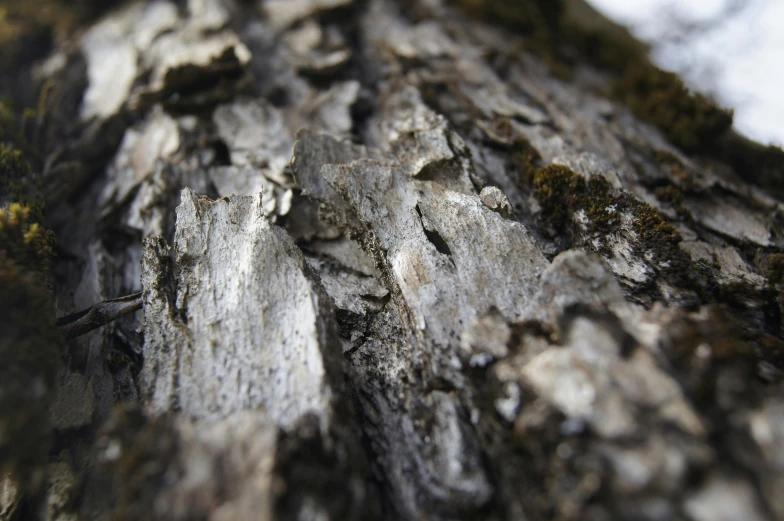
(393, 268)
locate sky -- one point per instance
(740, 61)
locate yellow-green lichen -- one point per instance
(19, 182)
(23, 238)
(24, 242)
(30, 344)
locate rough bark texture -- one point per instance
(393, 268)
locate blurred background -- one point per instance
(730, 49)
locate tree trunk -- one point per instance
(395, 266)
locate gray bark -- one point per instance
(353, 307)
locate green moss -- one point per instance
(30, 350)
(594, 38)
(557, 189)
(675, 167)
(19, 182)
(17, 136)
(601, 205)
(521, 15)
(670, 194)
(689, 120)
(566, 34)
(653, 231)
(14, 171)
(667, 158)
(578, 34)
(771, 349)
(30, 345)
(775, 271)
(739, 294)
(538, 21)
(658, 242)
(561, 193)
(756, 163)
(673, 196)
(527, 159)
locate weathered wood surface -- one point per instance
(356, 307)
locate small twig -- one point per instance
(97, 316)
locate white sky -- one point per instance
(741, 62)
